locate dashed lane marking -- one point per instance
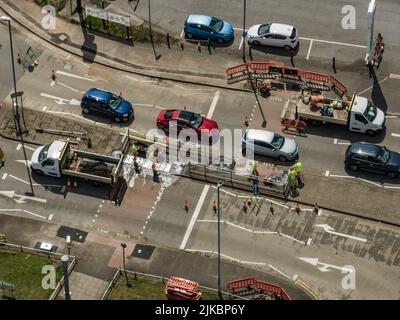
(71, 75)
(67, 86)
(4, 176)
(394, 76)
(309, 49)
(18, 147)
(50, 217)
(194, 216)
(280, 272)
(213, 104)
(241, 43)
(397, 135)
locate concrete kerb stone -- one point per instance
(184, 76)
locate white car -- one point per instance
(273, 34)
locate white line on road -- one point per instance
(394, 76)
(374, 183)
(4, 176)
(182, 33)
(289, 237)
(372, 86)
(339, 176)
(67, 86)
(309, 49)
(213, 104)
(227, 192)
(194, 216)
(35, 214)
(395, 135)
(44, 108)
(25, 162)
(241, 43)
(26, 147)
(74, 76)
(344, 143)
(18, 147)
(335, 141)
(277, 270)
(333, 42)
(22, 180)
(147, 105)
(327, 173)
(390, 187)
(134, 79)
(50, 217)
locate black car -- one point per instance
(372, 157)
(106, 104)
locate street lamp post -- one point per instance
(14, 97)
(123, 245)
(64, 262)
(219, 185)
(151, 34)
(244, 31)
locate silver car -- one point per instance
(269, 144)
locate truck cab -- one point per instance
(365, 117)
(46, 159)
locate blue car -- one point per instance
(201, 26)
(106, 104)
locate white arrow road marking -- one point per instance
(59, 100)
(12, 194)
(324, 266)
(9, 194)
(74, 76)
(26, 147)
(26, 211)
(330, 230)
(30, 198)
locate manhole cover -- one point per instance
(75, 234)
(142, 251)
(62, 37)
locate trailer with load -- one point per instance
(358, 113)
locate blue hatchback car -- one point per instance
(202, 26)
(106, 104)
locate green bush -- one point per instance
(58, 4)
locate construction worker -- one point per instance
(298, 168)
(292, 174)
(134, 149)
(254, 167)
(2, 158)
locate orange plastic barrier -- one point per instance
(314, 76)
(236, 69)
(337, 84)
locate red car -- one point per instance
(185, 120)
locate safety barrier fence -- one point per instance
(136, 275)
(215, 174)
(258, 285)
(54, 256)
(282, 73)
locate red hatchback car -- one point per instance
(185, 120)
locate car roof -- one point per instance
(365, 148)
(261, 135)
(199, 19)
(283, 29)
(55, 149)
(98, 94)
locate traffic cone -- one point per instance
(214, 207)
(198, 46)
(53, 75)
(181, 44)
(18, 58)
(244, 207)
(246, 122)
(186, 206)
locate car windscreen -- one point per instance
(114, 102)
(264, 29)
(277, 141)
(43, 153)
(216, 24)
(293, 35)
(384, 155)
(370, 112)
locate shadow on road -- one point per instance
(89, 48)
(378, 99)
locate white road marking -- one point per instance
(74, 76)
(277, 270)
(4, 176)
(26, 147)
(309, 49)
(289, 237)
(344, 143)
(50, 217)
(194, 216)
(21, 180)
(227, 192)
(327, 173)
(213, 104)
(390, 187)
(67, 86)
(309, 241)
(373, 183)
(239, 29)
(241, 43)
(391, 117)
(394, 76)
(338, 176)
(372, 86)
(61, 101)
(18, 147)
(325, 267)
(397, 135)
(44, 108)
(226, 256)
(134, 79)
(329, 229)
(52, 83)
(333, 42)
(335, 141)
(182, 33)
(25, 162)
(147, 105)
(35, 214)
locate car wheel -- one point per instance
(370, 133)
(86, 110)
(287, 48)
(220, 41)
(353, 167)
(117, 119)
(282, 158)
(39, 172)
(189, 35)
(391, 174)
(256, 43)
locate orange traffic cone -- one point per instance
(186, 206)
(214, 207)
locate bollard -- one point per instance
(271, 209)
(244, 207)
(169, 45)
(316, 208)
(214, 207)
(199, 46)
(181, 44)
(291, 59)
(186, 206)
(19, 59)
(89, 143)
(250, 51)
(53, 75)
(209, 46)
(334, 64)
(246, 122)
